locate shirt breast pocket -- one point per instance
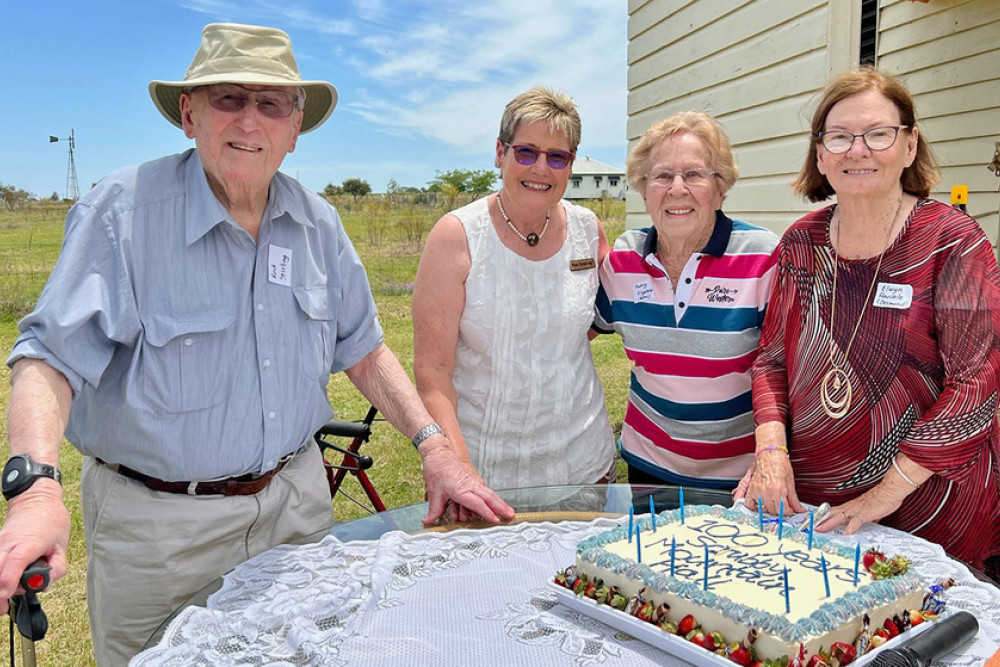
(317, 336)
(185, 363)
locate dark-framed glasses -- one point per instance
(876, 139)
(231, 98)
(692, 178)
(528, 155)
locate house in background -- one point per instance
(592, 180)
(760, 65)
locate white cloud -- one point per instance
(447, 72)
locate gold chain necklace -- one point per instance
(836, 391)
(531, 239)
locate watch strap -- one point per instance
(426, 432)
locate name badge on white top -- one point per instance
(892, 295)
(642, 291)
(279, 265)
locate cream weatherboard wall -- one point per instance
(759, 66)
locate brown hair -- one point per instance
(917, 179)
(542, 103)
(698, 123)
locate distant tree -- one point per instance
(55, 196)
(13, 197)
(475, 181)
(392, 187)
(356, 187)
(482, 182)
(331, 190)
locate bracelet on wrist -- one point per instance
(904, 475)
(770, 448)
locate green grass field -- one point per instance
(389, 237)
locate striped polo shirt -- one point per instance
(689, 418)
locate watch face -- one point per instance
(13, 473)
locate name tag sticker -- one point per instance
(642, 291)
(582, 264)
(279, 265)
(892, 295)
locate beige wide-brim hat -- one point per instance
(248, 55)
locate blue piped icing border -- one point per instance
(829, 616)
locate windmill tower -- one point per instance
(72, 185)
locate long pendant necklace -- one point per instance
(531, 239)
(836, 382)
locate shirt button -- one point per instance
(687, 280)
(260, 306)
(267, 363)
(272, 414)
(681, 304)
(188, 342)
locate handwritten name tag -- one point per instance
(892, 295)
(279, 265)
(581, 264)
(642, 291)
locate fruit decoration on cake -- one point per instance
(677, 602)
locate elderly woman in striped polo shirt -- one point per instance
(687, 296)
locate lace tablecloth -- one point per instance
(466, 597)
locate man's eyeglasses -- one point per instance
(692, 178)
(527, 155)
(877, 138)
(231, 98)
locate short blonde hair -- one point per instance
(697, 123)
(917, 179)
(542, 103)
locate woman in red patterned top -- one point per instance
(876, 388)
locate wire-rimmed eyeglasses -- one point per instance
(877, 139)
(230, 97)
(692, 178)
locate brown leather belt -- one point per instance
(243, 485)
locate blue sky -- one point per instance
(422, 83)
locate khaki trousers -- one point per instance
(148, 551)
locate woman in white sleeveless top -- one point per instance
(502, 307)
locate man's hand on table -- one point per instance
(450, 482)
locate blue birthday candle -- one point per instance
(673, 550)
(810, 546)
(788, 608)
(705, 581)
(631, 511)
(682, 503)
(857, 562)
(760, 513)
(652, 513)
(826, 579)
(638, 547)
(781, 516)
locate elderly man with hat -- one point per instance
(184, 342)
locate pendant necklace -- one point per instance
(836, 382)
(531, 239)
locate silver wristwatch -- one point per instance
(426, 432)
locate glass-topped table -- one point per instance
(383, 590)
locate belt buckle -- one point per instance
(192, 489)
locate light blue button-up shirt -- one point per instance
(193, 352)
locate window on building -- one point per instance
(612, 181)
(869, 32)
(597, 181)
(576, 181)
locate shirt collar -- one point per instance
(203, 211)
(717, 243)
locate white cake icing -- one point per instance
(745, 585)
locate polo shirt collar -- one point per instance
(717, 242)
(203, 211)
